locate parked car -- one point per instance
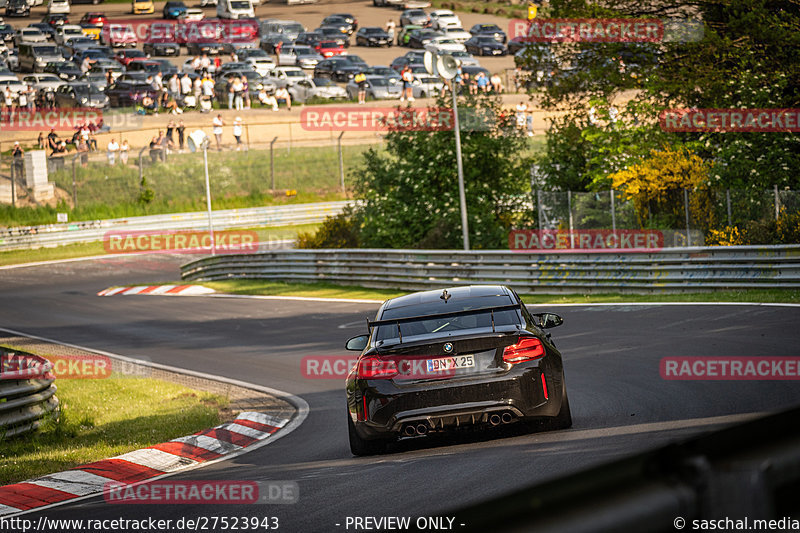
(255, 82)
(516, 44)
(33, 57)
(161, 48)
(81, 94)
(268, 42)
(119, 36)
(66, 70)
(126, 56)
(287, 76)
(55, 19)
(492, 30)
(417, 17)
(349, 18)
(15, 85)
(288, 28)
(127, 92)
(340, 22)
(58, 6)
(6, 33)
(330, 33)
(225, 68)
(194, 14)
(91, 31)
(323, 88)
(419, 38)
(262, 65)
(372, 36)
(386, 72)
(426, 86)
(67, 32)
(29, 35)
(444, 18)
(310, 38)
(457, 34)
(94, 17)
(355, 60)
(439, 45)
(485, 45)
(47, 29)
(399, 63)
(211, 48)
(329, 49)
(142, 7)
(44, 80)
(405, 34)
(103, 66)
(174, 9)
(18, 8)
(377, 88)
(336, 69)
(299, 55)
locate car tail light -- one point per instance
(526, 349)
(375, 368)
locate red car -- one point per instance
(95, 19)
(119, 35)
(126, 56)
(329, 48)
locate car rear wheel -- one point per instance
(359, 446)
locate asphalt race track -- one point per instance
(620, 404)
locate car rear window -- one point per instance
(430, 326)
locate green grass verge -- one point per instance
(327, 290)
(237, 179)
(106, 417)
(71, 251)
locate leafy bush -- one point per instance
(340, 231)
(786, 230)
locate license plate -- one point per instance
(450, 363)
(496, 52)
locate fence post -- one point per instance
(728, 201)
(74, 180)
(272, 161)
(686, 212)
(247, 136)
(613, 213)
(569, 210)
(777, 203)
(539, 207)
(341, 163)
(13, 185)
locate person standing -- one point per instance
(237, 132)
(171, 132)
(112, 149)
(521, 111)
(40, 141)
(390, 26)
(18, 154)
(123, 152)
(361, 81)
(408, 79)
(217, 130)
(181, 135)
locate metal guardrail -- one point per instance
(69, 233)
(27, 393)
(670, 269)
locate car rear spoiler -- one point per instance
(478, 311)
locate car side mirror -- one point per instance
(549, 320)
(357, 343)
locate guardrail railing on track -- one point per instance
(670, 269)
(92, 231)
(27, 393)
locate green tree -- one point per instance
(408, 192)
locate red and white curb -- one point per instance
(133, 467)
(168, 290)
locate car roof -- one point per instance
(455, 293)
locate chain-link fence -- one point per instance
(695, 213)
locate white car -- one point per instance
(440, 45)
(15, 85)
(465, 59)
(287, 76)
(304, 90)
(60, 7)
(444, 18)
(43, 81)
(29, 35)
(457, 34)
(262, 65)
(194, 14)
(187, 66)
(67, 32)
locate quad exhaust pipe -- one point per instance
(420, 429)
(494, 419)
(506, 418)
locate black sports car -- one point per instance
(436, 361)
